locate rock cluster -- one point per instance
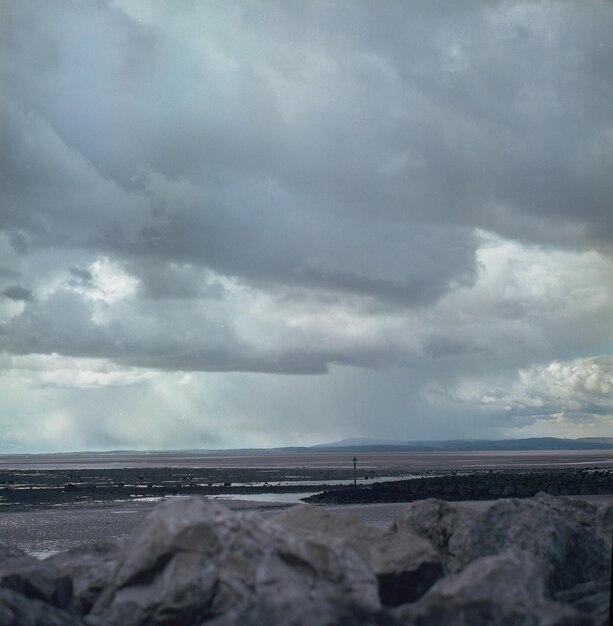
(481, 485)
(540, 561)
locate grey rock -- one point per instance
(540, 562)
(263, 613)
(592, 598)
(17, 610)
(501, 590)
(405, 564)
(578, 512)
(604, 523)
(7, 551)
(36, 580)
(559, 534)
(90, 567)
(437, 521)
(314, 520)
(192, 560)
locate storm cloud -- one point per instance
(16, 292)
(399, 210)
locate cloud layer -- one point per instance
(412, 200)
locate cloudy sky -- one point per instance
(283, 223)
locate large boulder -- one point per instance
(591, 598)
(8, 551)
(604, 523)
(558, 533)
(32, 592)
(437, 521)
(317, 521)
(192, 560)
(90, 567)
(35, 579)
(302, 614)
(405, 564)
(500, 590)
(18, 610)
(538, 562)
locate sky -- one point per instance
(253, 224)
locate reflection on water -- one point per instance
(42, 554)
(288, 498)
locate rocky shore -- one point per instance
(42, 488)
(24, 489)
(476, 486)
(536, 561)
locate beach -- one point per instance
(108, 502)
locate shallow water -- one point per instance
(284, 498)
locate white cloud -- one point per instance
(578, 390)
(107, 282)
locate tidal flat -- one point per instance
(47, 504)
(27, 488)
(93, 478)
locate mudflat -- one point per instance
(53, 502)
(44, 531)
(46, 480)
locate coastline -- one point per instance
(45, 531)
(42, 516)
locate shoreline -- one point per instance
(42, 517)
(42, 532)
(36, 488)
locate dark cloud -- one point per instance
(307, 188)
(260, 145)
(175, 281)
(16, 292)
(8, 272)
(82, 276)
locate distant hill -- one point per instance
(361, 441)
(597, 439)
(468, 445)
(351, 445)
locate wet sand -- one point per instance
(44, 531)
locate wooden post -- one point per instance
(355, 471)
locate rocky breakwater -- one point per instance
(539, 561)
(480, 485)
